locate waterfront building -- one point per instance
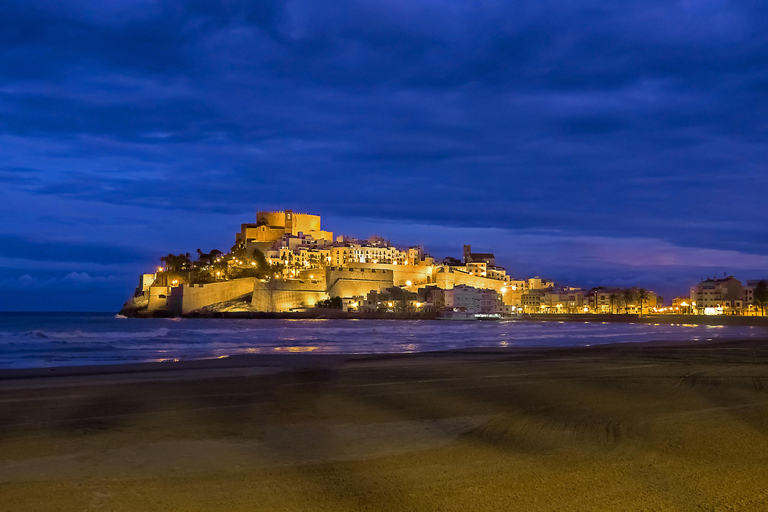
(750, 307)
(473, 300)
(537, 283)
(715, 296)
(680, 306)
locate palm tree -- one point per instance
(642, 296)
(628, 296)
(761, 295)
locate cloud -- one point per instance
(640, 121)
(73, 280)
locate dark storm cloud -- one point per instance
(636, 119)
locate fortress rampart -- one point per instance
(292, 223)
(279, 295)
(285, 295)
(182, 299)
(418, 275)
(446, 280)
(352, 281)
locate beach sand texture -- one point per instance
(637, 427)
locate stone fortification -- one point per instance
(157, 298)
(182, 299)
(352, 281)
(418, 275)
(282, 295)
(447, 278)
(292, 223)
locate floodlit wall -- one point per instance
(298, 222)
(320, 235)
(190, 297)
(276, 219)
(351, 282)
(305, 223)
(158, 298)
(446, 280)
(401, 274)
(285, 295)
(259, 233)
(145, 281)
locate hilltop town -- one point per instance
(285, 262)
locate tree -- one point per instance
(628, 297)
(238, 251)
(642, 296)
(612, 297)
(176, 262)
(331, 303)
(261, 260)
(761, 295)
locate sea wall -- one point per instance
(189, 297)
(351, 281)
(158, 298)
(279, 295)
(401, 274)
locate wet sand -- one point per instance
(624, 427)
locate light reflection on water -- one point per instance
(65, 340)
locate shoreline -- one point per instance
(263, 364)
(328, 314)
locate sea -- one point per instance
(38, 340)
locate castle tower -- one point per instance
(467, 254)
(289, 222)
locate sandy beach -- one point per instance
(655, 426)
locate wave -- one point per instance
(79, 334)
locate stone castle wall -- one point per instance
(189, 297)
(351, 281)
(447, 280)
(418, 275)
(285, 295)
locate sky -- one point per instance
(591, 142)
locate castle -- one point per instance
(307, 265)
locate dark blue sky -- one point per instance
(588, 141)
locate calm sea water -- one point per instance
(43, 340)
